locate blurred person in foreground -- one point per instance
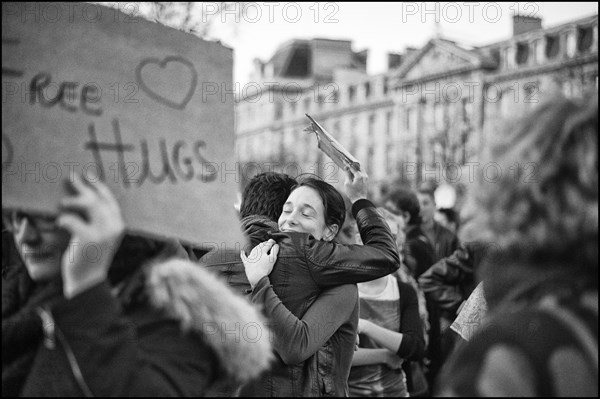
(134, 319)
(540, 337)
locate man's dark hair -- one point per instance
(426, 190)
(427, 187)
(405, 200)
(266, 194)
(450, 214)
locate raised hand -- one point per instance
(91, 214)
(356, 184)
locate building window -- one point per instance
(320, 100)
(552, 46)
(353, 143)
(307, 104)
(336, 130)
(388, 124)
(370, 158)
(522, 53)
(367, 89)
(334, 97)
(371, 145)
(371, 125)
(495, 54)
(438, 116)
(389, 158)
(585, 37)
(351, 93)
(306, 146)
(385, 85)
(278, 111)
(250, 113)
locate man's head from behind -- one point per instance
(404, 202)
(266, 194)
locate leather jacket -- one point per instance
(450, 281)
(314, 264)
(306, 267)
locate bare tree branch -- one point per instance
(191, 17)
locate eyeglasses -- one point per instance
(40, 222)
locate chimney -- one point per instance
(360, 59)
(523, 24)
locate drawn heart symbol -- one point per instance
(162, 64)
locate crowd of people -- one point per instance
(348, 297)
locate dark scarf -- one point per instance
(21, 326)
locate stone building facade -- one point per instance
(425, 118)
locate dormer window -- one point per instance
(585, 37)
(552, 46)
(522, 53)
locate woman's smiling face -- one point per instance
(304, 212)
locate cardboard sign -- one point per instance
(89, 90)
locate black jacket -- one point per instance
(171, 335)
(419, 254)
(450, 281)
(444, 242)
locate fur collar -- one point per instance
(230, 324)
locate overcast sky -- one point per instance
(379, 27)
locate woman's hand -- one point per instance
(260, 262)
(356, 184)
(363, 326)
(92, 216)
(393, 361)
